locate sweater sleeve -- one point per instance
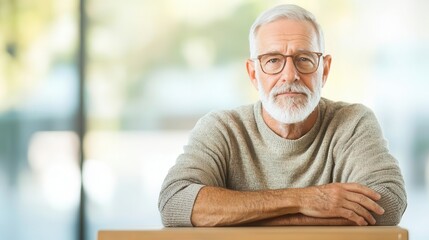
(203, 162)
(363, 157)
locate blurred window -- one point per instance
(153, 68)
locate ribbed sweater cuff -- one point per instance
(180, 208)
(393, 204)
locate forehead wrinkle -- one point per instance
(283, 45)
(288, 36)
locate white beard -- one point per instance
(290, 110)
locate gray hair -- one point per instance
(286, 11)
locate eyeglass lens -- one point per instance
(305, 62)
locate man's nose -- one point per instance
(289, 73)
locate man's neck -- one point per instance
(290, 131)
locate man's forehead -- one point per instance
(290, 26)
(286, 29)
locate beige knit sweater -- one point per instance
(236, 150)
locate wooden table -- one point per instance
(260, 233)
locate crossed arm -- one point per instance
(331, 204)
(184, 203)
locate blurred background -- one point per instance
(126, 81)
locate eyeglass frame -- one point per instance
(258, 58)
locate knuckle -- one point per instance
(362, 199)
(356, 208)
(336, 191)
(350, 214)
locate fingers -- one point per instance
(366, 202)
(357, 188)
(352, 216)
(361, 201)
(363, 213)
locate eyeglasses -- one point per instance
(304, 62)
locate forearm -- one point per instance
(222, 207)
(302, 220)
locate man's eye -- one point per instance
(303, 59)
(273, 60)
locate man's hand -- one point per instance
(351, 201)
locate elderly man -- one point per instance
(292, 158)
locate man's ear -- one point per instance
(251, 71)
(326, 67)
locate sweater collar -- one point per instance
(273, 140)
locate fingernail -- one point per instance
(382, 210)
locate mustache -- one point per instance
(294, 87)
